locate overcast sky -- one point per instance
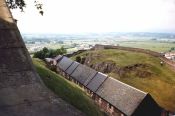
(81, 16)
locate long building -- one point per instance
(114, 97)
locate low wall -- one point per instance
(149, 52)
(98, 47)
(75, 53)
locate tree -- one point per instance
(14, 4)
(78, 59)
(83, 60)
(49, 53)
(172, 48)
(45, 50)
(63, 50)
(40, 54)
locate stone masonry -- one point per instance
(22, 93)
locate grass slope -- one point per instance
(66, 90)
(161, 84)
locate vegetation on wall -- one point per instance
(80, 60)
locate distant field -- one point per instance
(158, 46)
(148, 44)
(66, 90)
(160, 83)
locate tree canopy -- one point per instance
(49, 53)
(21, 4)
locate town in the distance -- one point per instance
(160, 42)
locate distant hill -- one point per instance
(136, 69)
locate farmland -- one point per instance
(74, 42)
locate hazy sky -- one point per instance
(78, 16)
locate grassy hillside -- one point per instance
(139, 70)
(68, 91)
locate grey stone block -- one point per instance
(17, 79)
(14, 60)
(16, 95)
(11, 39)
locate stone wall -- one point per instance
(22, 92)
(75, 53)
(96, 47)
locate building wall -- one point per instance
(148, 107)
(103, 104)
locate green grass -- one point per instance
(161, 84)
(149, 44)
(66, 90)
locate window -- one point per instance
(99, 100)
